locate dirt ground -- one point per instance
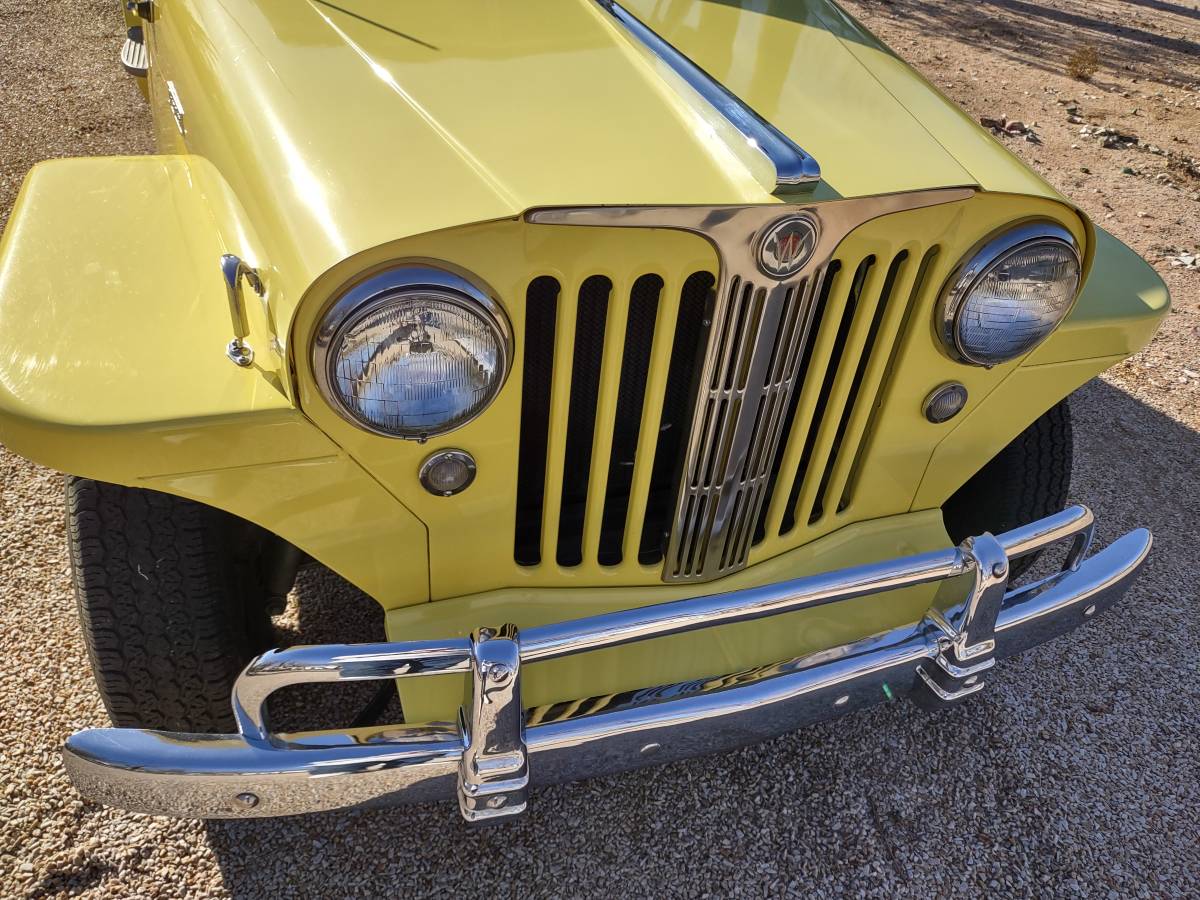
(1075, 775)
(1007, 60)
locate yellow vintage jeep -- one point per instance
(652, 433)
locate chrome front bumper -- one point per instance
(498, 749)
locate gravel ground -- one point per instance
(1076, 774)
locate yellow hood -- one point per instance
(343, 125)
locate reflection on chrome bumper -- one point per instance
(497, 748)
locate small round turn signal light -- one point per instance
(945, 402)
(447, 472)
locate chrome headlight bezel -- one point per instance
(979, 262)
(385, 287)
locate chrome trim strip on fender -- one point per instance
(795, 169)
(488, 760)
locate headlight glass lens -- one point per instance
(417, 362)
(1003, 308)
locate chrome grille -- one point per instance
(762, 421)
(753, 357)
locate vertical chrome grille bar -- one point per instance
(725, 466)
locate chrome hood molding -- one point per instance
(795, 170)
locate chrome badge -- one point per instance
(787, 246)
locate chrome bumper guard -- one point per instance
(499, 749)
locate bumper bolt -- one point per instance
(999, 569)
(246, 800)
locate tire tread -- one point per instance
(161, 604)
(1027, 480)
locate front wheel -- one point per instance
(1027, 480)
(172, 601)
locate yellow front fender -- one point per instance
(113, 323)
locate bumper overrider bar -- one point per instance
(498, 748)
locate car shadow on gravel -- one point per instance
(1074, 771)
(1044, 37)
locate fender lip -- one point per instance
(256, 775)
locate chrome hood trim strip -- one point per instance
(795, 170)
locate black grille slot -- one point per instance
(541, 309)
(631, 396)
(581, 422)
(687, 354)
(859, 371)
(885, 297)
(831, 371)
(889, 368)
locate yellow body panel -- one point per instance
(1118, 310)
(319, 141)
(697, 654)
(111, 275)
(114, 319)
(979, 434)
(345, 126)
(507, 255)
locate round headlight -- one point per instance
(412, 353)
(1011, 294)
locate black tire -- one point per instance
(1027, 480)
(171, 600)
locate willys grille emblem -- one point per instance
(787, 246)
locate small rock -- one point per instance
(1085, 170)
(1126, 170)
